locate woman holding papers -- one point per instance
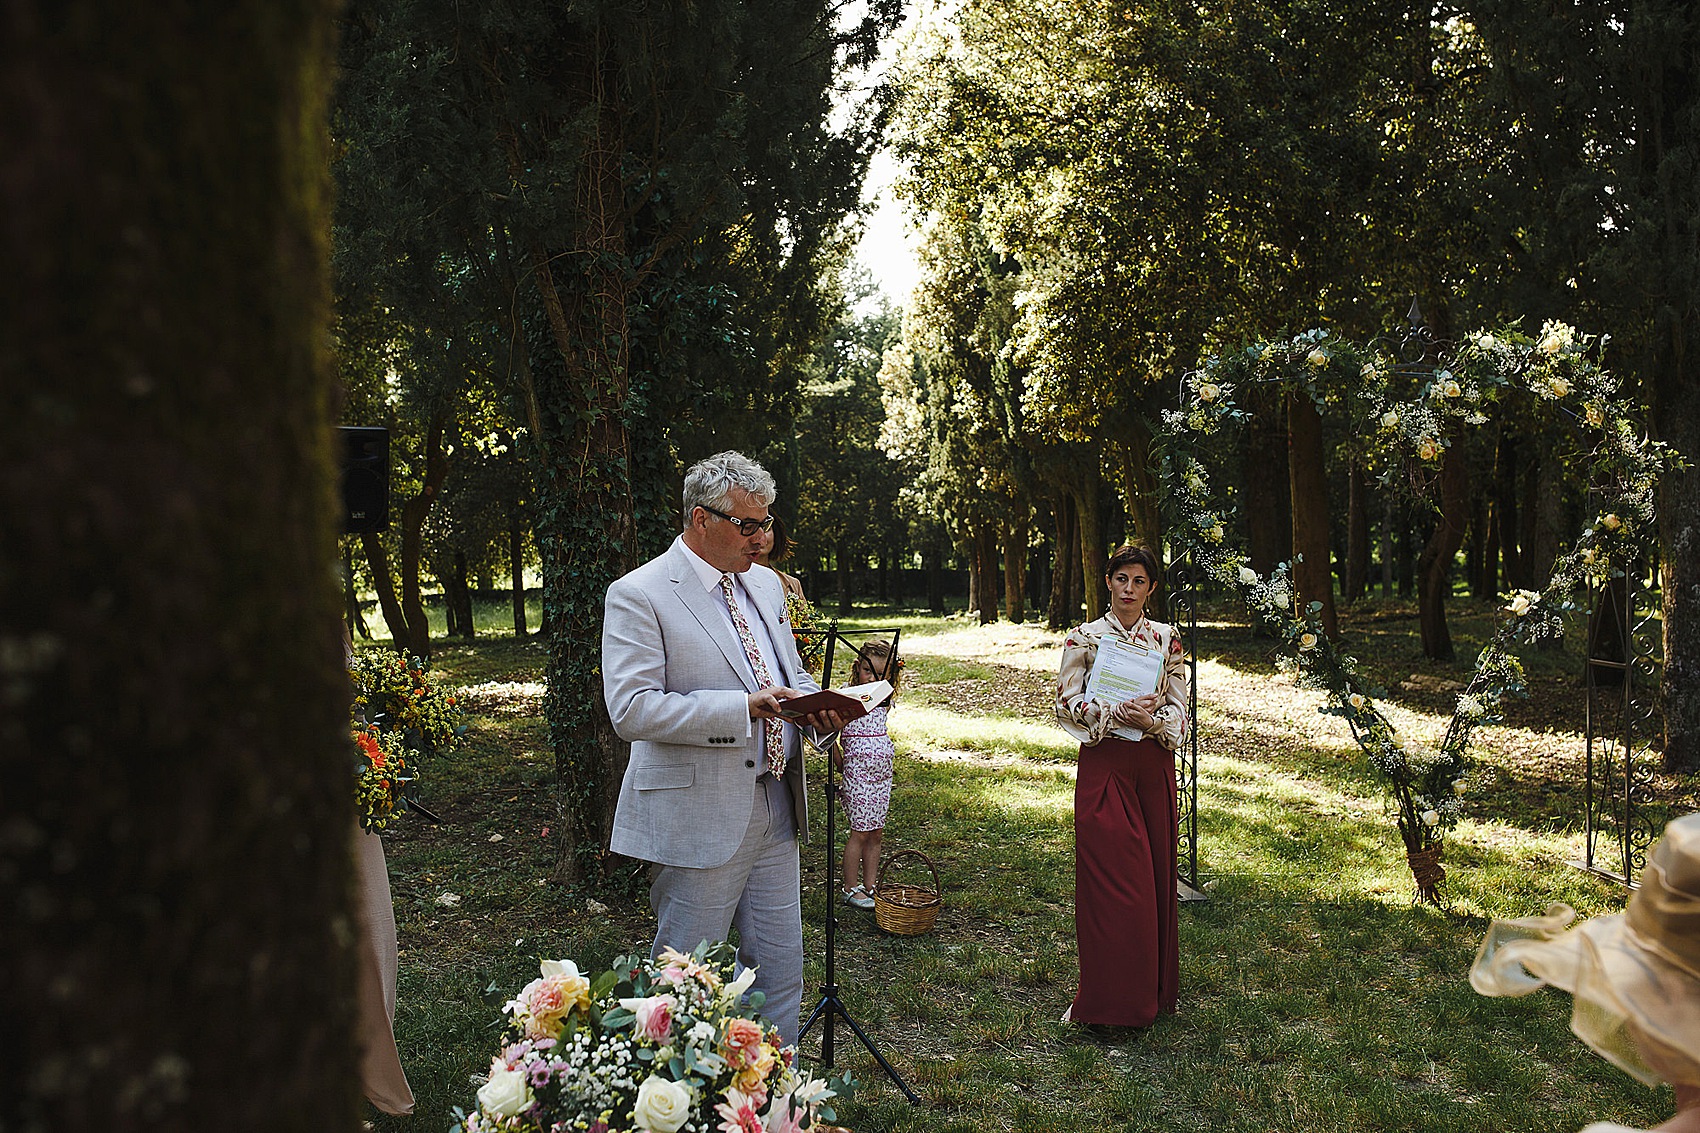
(1122, 692)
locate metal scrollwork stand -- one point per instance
(1624, 665)
(1183, 612)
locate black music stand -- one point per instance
(830, 1005)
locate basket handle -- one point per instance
(899, 856)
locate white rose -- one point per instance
(1317, 357)
(662, 1105)
(1550, 343)
(1248, 577)
(1307, 641)
(1216, 533)
(1558, 385)
(1431, 818)
(1610, 522)
(1428, 449)
(1485, 342)
(506, 1094)
(1520, 604)
(1356, 700)
(559, 968)
(1390, 420)
(1452, 389)
(1209, 391)
(1367, 371)
(1596, 414)
(1457, 786)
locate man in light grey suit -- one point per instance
(697, 655)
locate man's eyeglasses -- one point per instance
(746, 527)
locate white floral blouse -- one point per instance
(1090, 722)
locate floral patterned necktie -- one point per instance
(773, 735)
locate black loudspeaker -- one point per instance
(365, 478)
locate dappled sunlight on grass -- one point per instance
(1315, 998)
(933, 728)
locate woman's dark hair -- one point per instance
(1127, 555)
(781, 549)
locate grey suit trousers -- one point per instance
(756, 893)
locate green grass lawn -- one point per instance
(1314, 995)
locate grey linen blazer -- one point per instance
(675, 678)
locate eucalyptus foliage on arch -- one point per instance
(1403, 418)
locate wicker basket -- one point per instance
(906, 910)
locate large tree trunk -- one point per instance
(1307, 470)
(1357, 533)
(933, 562)
(516, 565)
(586, 460)
(352, 616)
(1140, 489)
(1509, 523)
(1268, 501)
(984, 547)
(1093, 555)
(1542, 518)
(175, 814)
(404, 612)
(1679, 538)
(1064, 564)
(1015, 571)
(461, 590)
(1434, 565)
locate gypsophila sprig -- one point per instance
(1462, 390)
(670, 1045)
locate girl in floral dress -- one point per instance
(865, 754)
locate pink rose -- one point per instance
(655, 1017)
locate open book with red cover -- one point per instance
(849, 702)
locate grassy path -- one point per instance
(1314, 996)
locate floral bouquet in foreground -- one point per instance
(659, 1046)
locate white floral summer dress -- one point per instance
(868, 756)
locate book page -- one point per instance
(1122, 671)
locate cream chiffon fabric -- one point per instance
(380, 1065)
(1635, 976)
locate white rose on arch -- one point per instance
(1522, 601)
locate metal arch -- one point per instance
(1623, 716)
(1183, 611)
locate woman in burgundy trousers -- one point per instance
(1125, 900)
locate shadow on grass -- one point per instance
(1314, 995)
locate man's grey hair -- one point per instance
(710, 481)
